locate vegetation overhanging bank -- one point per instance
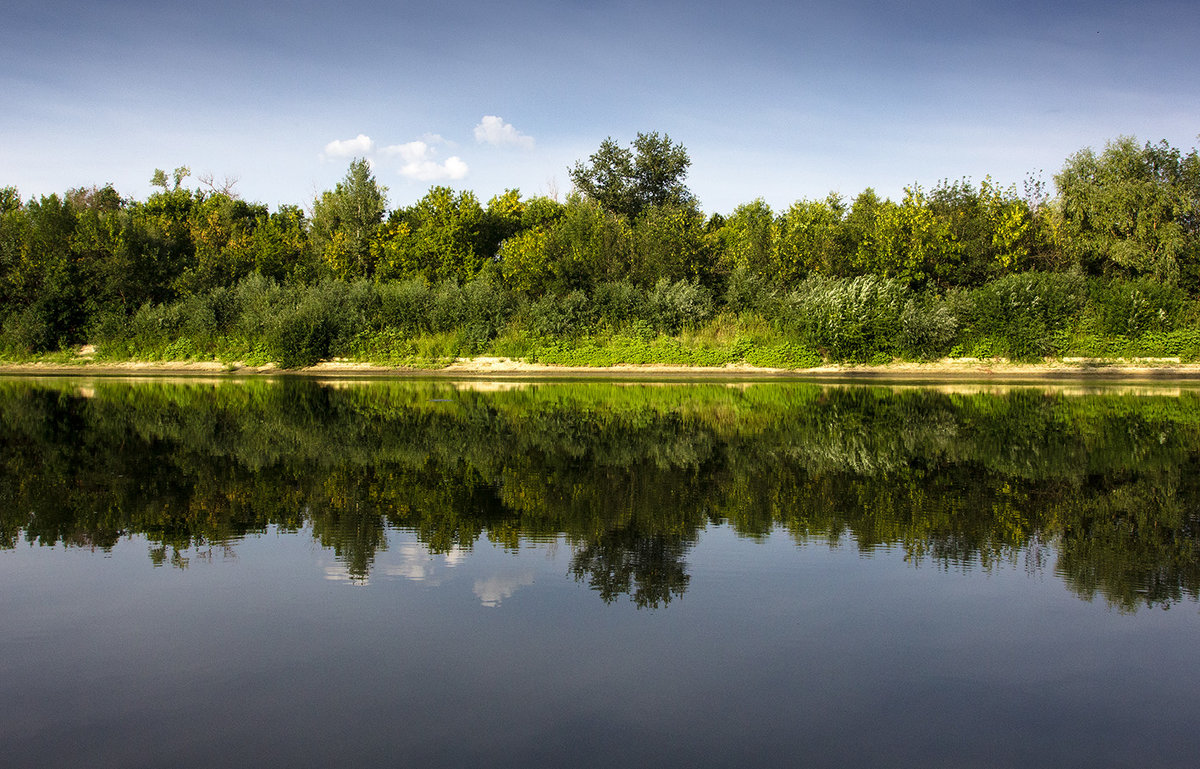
(626, 270)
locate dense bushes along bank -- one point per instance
(628, 269)
(865, 319)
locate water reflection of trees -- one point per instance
(629, 475)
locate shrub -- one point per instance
(850, 319)
(303, 331)
(619, 304)
(448, 309)
(26, 331)
(406, 305)
(567, 316)
(927, 328)
(1134, 307)
(747, 291)
(486, 308)
(784, 355)
(678, 305)
(256, 300)
(1026, 313)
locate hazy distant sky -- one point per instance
(779, 100)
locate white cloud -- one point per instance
(419, 161)
(359, 146)
(412, 152)
(493, 130)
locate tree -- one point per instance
(746, 239)
(440, 237)
(627, 181)
(159, 179)
(808, 238)
(1132, 208)
(346, 218)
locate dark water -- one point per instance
(429, 574)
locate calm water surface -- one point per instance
(439, 574)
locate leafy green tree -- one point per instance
(441, 237)
(159, 178)
(669, 243)
(1132, 209)
(42, 279)
(747, 238)
(906, 241)
(809, 239)
(345, 220)
(281, 246)
(992, 227)
(628, 180)
(501, 220)
(583, 247)
(222, 230)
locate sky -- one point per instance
(775, 100)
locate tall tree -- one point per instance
(346, 218)
(629, 180)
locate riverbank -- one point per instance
(505, 368)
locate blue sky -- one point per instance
(772, 99)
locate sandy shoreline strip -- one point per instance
(1157, 369)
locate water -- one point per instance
(440, 574)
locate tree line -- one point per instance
(629, 250)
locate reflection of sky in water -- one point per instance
(412, 561)
(778, 655)
(493, 590)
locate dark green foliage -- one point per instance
(406, 305)
(1134, 307)
(1133, 209)
(747, 291)
(928, 328)
(619, 304)
(628, 181)
(303, 332)
(854, 319)
(565, 317)
(1025, 314)
(679, 305)
(311, 322)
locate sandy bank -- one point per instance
(1159, 369)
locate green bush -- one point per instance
(747, 291)
(619, 304)
(303, 331)
(26, 331)
(679, 305)
(406, 305)
(1026, 313)
(783, 355)
(850, 319)
(486, 308)
(561, 316)
(927, 328)
(448, 309)
(1134, 307)
(256, 299)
